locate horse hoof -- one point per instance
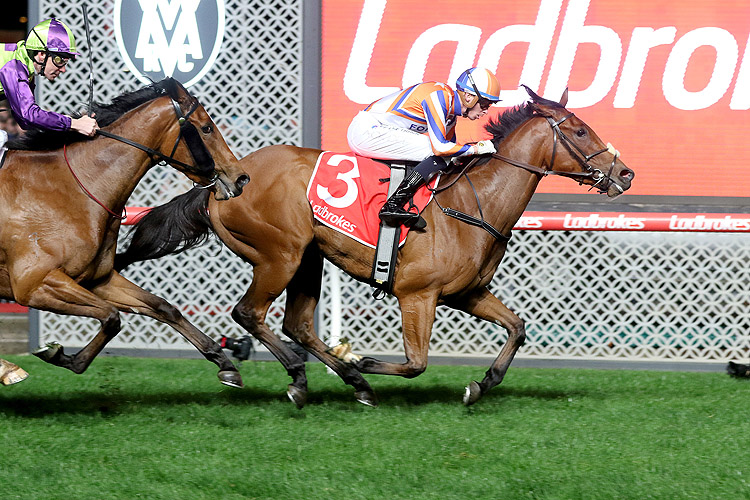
(48, 352)
(366, 398)
(296, 396)
(11, 373)
(472, 394)
(231, 378)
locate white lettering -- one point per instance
(596, 221)
(702, 223)
(355, 86)
(468, 42)
(572, 34)
(152, 45)
(673, 83)
(528, 222)
(539, 38)
(322, 212)
(641, 42)
(741, 97)
(352, 191)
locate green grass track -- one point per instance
(167, 429)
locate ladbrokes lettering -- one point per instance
(630, 52)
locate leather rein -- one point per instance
(196, 147)
(590, 172)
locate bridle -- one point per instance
(205, 164)
(589, 171)
(204, 161)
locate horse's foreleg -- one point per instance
(129, 297)
(250, 313)
(303, 293)
(483, 305)
(58, 293)
(417, 316)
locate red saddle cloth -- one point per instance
(346, 194)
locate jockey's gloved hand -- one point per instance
(484, 147)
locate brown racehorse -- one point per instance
(57, 242)
(449, 263)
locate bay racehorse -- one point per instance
(61, 196)
(449, 262)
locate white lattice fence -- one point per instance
(591, 295)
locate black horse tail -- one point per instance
(172, 228)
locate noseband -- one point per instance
(589, 171)
(198, 150)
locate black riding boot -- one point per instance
(393, 212)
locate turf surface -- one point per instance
(166, 429)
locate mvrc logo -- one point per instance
(177, 38)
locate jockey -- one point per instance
(418, 124)
(46, 51)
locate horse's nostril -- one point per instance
(627, 174)
(242, 180)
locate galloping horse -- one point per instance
(60, 199)
(450, 262)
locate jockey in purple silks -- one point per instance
(46, 51)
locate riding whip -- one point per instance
(91, 57)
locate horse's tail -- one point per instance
(172, 228)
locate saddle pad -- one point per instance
(346, 194)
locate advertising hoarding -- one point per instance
(666, 82)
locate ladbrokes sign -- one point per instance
(668, 81)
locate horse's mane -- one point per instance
(106, 114)
(510, 119)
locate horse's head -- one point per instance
(199, 148)
(578, 152)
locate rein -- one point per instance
(582, 158)
(121, 217)
(187, 130)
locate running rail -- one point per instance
(571, 221)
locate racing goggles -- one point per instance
(60, 61)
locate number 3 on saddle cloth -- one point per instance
(346, 193)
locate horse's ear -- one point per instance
(532, 94)
(564, 98)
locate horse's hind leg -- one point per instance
(303, 293)
(482, 304)
(60, 294)
(129, 297)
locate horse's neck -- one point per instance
(128, 164)
(507, 189)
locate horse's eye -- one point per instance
(581, 132)
(207, 129)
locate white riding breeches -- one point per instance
(3, 140)
(368, 136)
